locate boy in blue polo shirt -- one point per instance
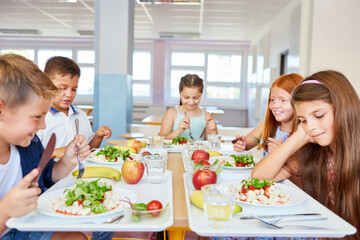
(25, 98)
(65, 73)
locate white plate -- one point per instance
(296, 197)
(104, 163)
(213, 159)
(45, 205)
(108, 163)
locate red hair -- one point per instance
(287, 82)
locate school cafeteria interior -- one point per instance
(132, 53)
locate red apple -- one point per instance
(200, 155)
(132, 171)
(203, 177)
(135, 144)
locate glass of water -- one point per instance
(156, 142)
(219, 202)
(156, 165)
(214, 141)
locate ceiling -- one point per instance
(210, 19)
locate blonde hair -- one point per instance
(335, 89)
(288, 83)
(20, 78)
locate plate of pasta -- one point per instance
(235, 162)
(85, 199)
(265, 193)
(112, 155)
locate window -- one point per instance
(86, 61)
(28, 53)
(221, 71)
(45, 54)
(142, 74)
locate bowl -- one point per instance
(160, 215)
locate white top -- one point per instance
(10, 173)
(64, 127)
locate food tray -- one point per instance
(35, 221)
(337, 227)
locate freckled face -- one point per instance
(317, 118)
(67, 86)
(19, 126)
(190, 97)
(280, 105)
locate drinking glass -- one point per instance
(156, 142)
(219, 200)
(156, 165)
(214, 141)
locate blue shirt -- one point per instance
(29, 159)
(279, 134)
(197, 125)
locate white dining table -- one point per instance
(333, 225)
(145, 192)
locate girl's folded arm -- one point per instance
(271, 166)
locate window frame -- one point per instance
(145, 46)
(227, 49)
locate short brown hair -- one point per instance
(20, 78)
(62, 66)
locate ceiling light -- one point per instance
(180, 2)
(85, 32)
(179, 34)
(19, 31)
(48, 1)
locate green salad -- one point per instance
(245, 160)
(256, 183)
(90, 194)
(112, 153)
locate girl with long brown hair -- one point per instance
(176, 121)
(326, 144)
(279, 119)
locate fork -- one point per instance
(114, 219)
(81, 165)
(259, 140)
(202, 134)
(273, 224)
(192, 138)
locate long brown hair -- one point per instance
(191, 81)
(288, 83)
(335, 89)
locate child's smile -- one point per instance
(317, 118)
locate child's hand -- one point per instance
(240, 144)
(184, 124)
(301, 131)
(211, 124)
(22, 198)
(71, 151)
(104, 131)
(273, 143)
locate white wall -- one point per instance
(329, 37)
(336, 38)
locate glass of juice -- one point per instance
(219, 200)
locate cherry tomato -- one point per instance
(205, 163)
(154, 205)
(146, 153)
